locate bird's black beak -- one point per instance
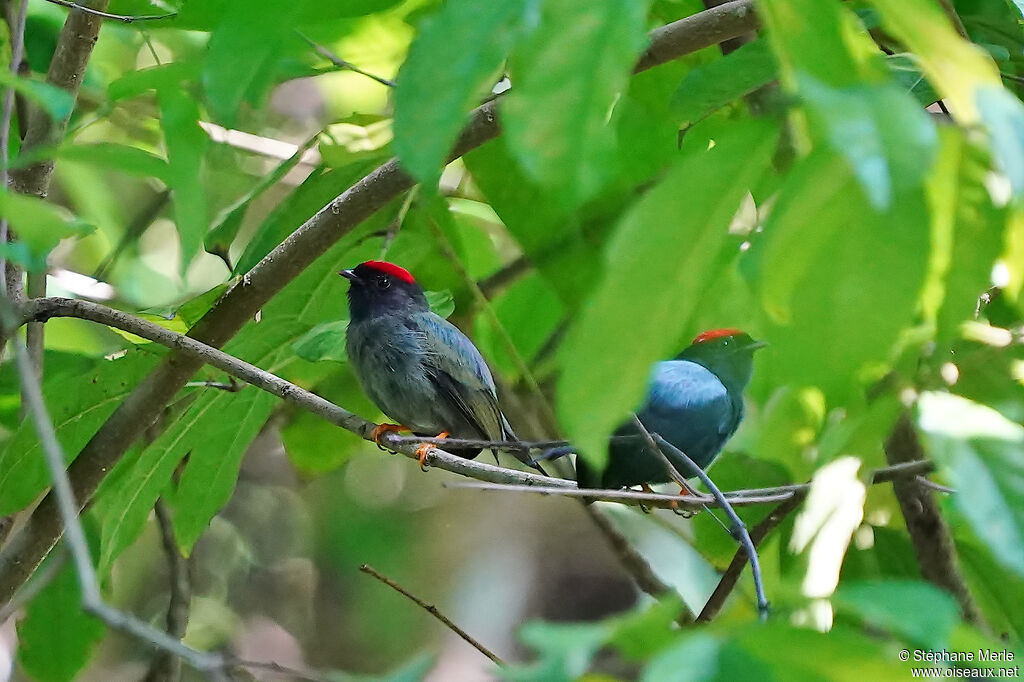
(349, 275)
(756, 345)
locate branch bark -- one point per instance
(933, 543)
(26, 550)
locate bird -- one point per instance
(695, 402)
(417, 367)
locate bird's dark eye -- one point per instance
(383, 282)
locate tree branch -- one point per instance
(143, 405)
(127, 19)
(432, 610)
(732, 574)
(933, 543)
(166, 667)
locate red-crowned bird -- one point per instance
(695, 402)
(417, 367)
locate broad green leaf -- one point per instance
(39, 226)
(451, 64)
(711, 86)
(208, 15)
(981, 451)
(967, 234)
(556, 115)
(550, 237)
(907, 73)
(964, 75)
(160, 78)
(56, 102)
(209, 477)
(916, 611)
(565, 650)
(835, 274)
(79, 402)
(217, 427)
(829, 60)
(186, 145)
(255, 30)
(56, 637)
(692, 659)
(118, 157)
(663, 254)
(323, 342)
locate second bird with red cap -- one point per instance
(417, 367)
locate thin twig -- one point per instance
(343, 63)
(432, 610)
(732, 574)
(17, 51)
(166, 667)
(127, 19)
(231, 386)
(738, 528)
(932, 485)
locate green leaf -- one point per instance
(907, 73)
(967, 234)
(550, 237)
(556, 115)
(834, 273)
(451, 64)
(565, 650)
(56, 102)
(980, 449)
(964, 75)
(323, 342)
(209, 477)
(79, 402)
(659, 261)
(207, 15)
(829, 60)
(39, 225)
(56, 637)
(255, 30)
(920, 613)
(694, 658)
(216, 428)
(711, 86)
(186, 145)
(118, 157)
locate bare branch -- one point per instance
(737, 529)
(432, 610)
(167, 667)
(27, 548)
(127, 19)
(932, 540)
(732, 574)
(343, 63)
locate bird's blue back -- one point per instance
(688, 406)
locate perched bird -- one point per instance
(695, 402)
(417, 367)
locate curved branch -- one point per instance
(26, 550)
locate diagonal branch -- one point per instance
(30, 545)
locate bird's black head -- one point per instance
(381, 288)
(729, 353)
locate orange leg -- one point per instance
(424, 450)
(379, 431)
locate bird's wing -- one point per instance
(460, 374)
(679, 387)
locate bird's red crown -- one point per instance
(715, 334)
(391, 269)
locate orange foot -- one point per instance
(424, 450)
(379, 431)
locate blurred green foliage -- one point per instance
(795, 187)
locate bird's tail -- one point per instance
(522, 454)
